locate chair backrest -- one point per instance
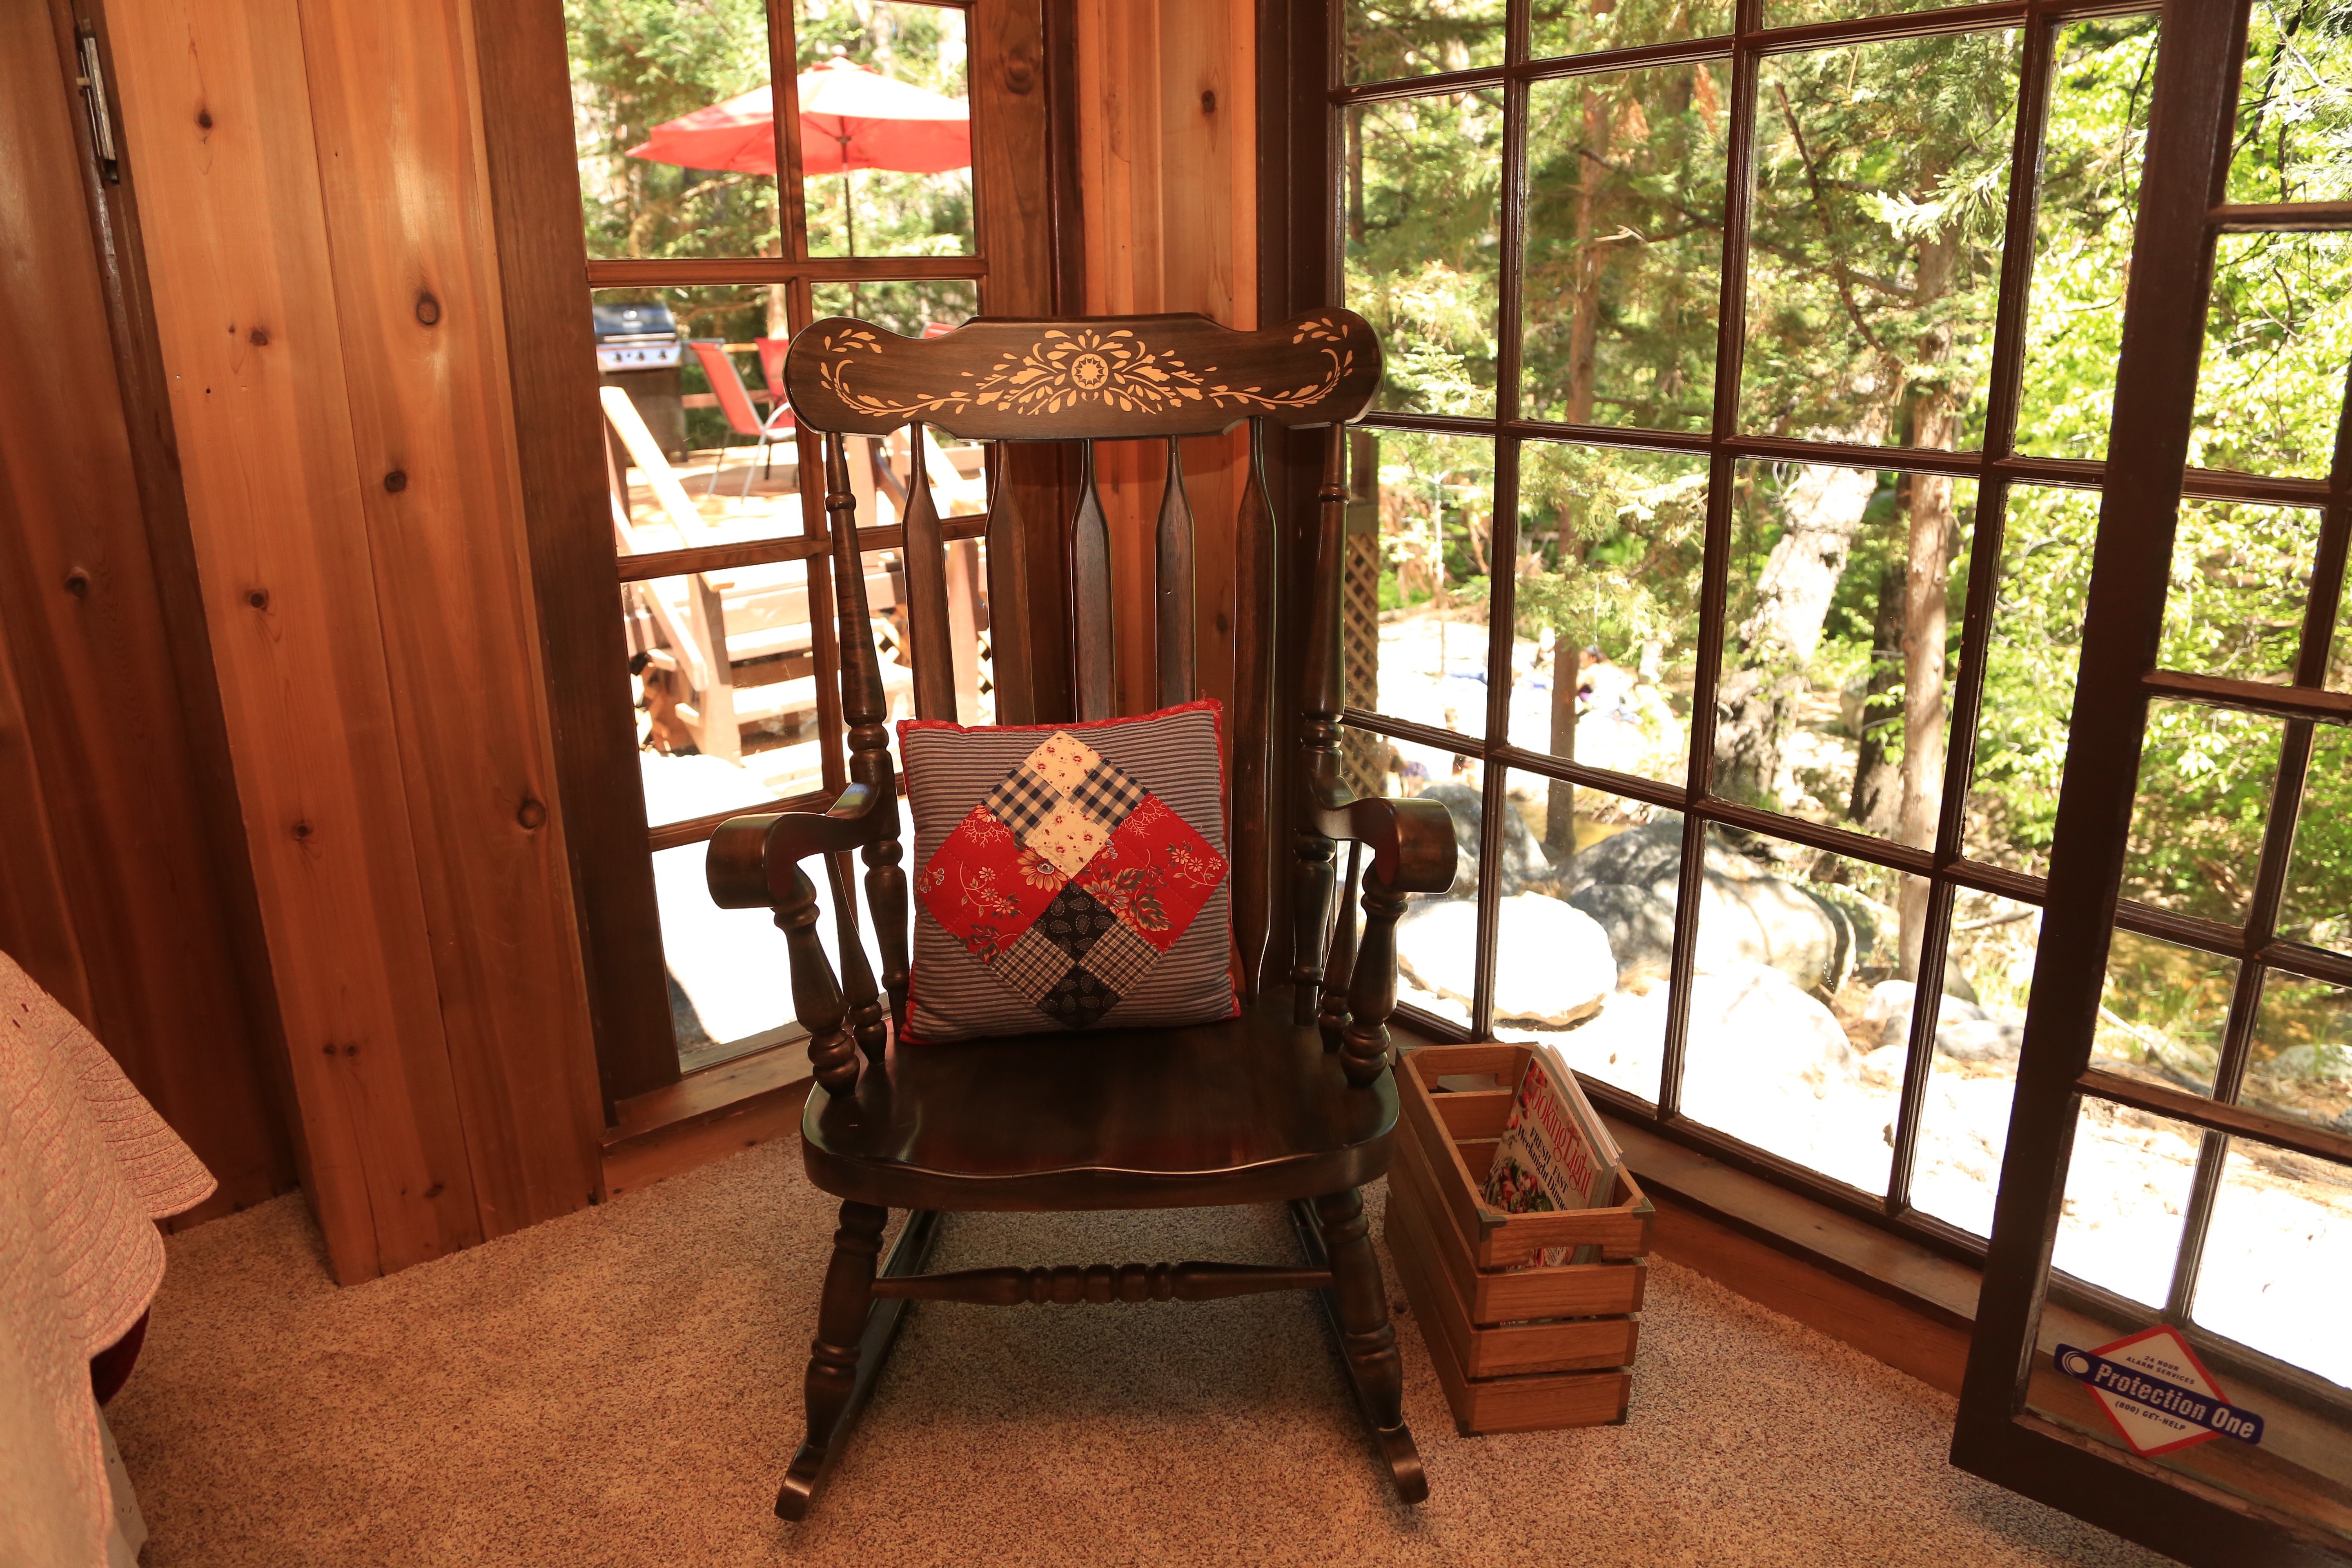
(734, 402)
(1150, 378)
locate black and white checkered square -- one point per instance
(1121, 958)
(1023, 800)
(1033, 966)
(1106, 794)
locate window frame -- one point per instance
(1996, 467)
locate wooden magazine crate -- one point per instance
(1517, 1350)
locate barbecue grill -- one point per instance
(637, 349)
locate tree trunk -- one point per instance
(1877, 781)
(1559, 800)
(1756, 701)
(1926, 583)
(1584, 342)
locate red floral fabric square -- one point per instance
(984, 886)
(1154, 874)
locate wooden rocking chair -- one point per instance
(1291, 1102)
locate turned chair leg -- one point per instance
(1367, 1334)
(833, 1357)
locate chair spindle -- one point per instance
(1255, 590)
(925, 554)
(1371, 989)
(864, 710)
(1091, 642)
(1322, 693)
(1008, 596)
(1340, 965)
(1179, 667)
(816, 996)
(857, 986)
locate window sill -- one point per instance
(704, 1116)
(1890, 1298)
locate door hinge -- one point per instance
(92, 82)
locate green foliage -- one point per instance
(1880, 199)
(635, 64)
(638, 63)
(2294, 104)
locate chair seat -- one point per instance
(1252, 1110)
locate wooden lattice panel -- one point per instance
(1359, 651)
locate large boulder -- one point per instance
(1770, 1065)
(1640, 856)
(1640, 925)
(1523, 859)
(1747, 914)
(1964, 1031)
(1552, 963)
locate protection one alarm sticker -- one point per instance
(2157, 1394)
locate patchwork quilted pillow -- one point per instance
(1068, 875)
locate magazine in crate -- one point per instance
(1554, 1152)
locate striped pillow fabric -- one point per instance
(1068, 875)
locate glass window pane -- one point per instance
(2127, 1186)
(1384, 40)
(2301, 1066)
(1609, 546)
(729, 984)
(912, 308)
(2278, 330)
(886, 129)
(1436, 520)
(1424, 244)
(1979, 1026)
(2277, 1253)
(709, 744)
(711, 457)
(1882, 175)
(1781, 928)
(2205, 777)
(2317, 905)
(1437, 935)
(671, 109)
(1582, 27)
(2092, 143)
(2294, 105)
(1586, 936)
(2240, 577)
(1624, 247)
(2162, 1012)
(2030, 662)
(1838, 672)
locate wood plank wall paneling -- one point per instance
(113, 898)
(1168, 164)
(309, 170)
(413, 252)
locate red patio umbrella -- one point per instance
(851, 118)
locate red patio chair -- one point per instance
(735, 403)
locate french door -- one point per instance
(2190, 1391)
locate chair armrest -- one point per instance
(1412, 841)
(750, 862)
(753, 862)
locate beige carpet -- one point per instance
(621, 1386)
